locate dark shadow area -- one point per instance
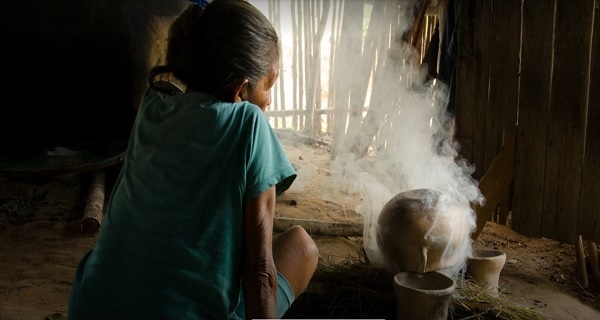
(63, 90)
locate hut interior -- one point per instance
(490, 100)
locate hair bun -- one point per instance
(200, 3)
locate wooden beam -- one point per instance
(320, 228)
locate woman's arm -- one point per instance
(259, 275)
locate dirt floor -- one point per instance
(41, 242)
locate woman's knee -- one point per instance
(305, 241)
(296, 256)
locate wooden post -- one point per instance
(94, 205)
(581, 263)
(594, 260)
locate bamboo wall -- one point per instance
(300, 115)
(534, 66)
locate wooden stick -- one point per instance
(414, 34)
(94, 205)
(298, 137)
(581, 263)
(321, 228)
(594, 260)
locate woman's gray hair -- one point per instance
(211, 48)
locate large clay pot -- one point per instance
(419, 232)
(423, 296)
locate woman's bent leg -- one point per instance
(296, 257)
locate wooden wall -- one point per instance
(534, 66)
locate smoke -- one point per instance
(413, 147)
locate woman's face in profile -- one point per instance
(260, 95)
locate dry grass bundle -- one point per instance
(355, 289)
(470, 301)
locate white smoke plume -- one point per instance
(414, 149)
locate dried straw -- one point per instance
(470, 301)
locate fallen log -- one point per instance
(94, 205)
(320, 228)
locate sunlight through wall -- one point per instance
(404, 139)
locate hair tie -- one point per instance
(200, 3)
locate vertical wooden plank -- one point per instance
(497, 73)
(472, 80)
(295, 48)
(534, 99)
(301, 68)
(308, 81)
(564, 156)
(465, 72)
(589, 214)
(511, 102)
(504, 79)
(332, 53)
(281, 90)
(483, 27)
(512, 106)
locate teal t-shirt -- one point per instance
(170, 246)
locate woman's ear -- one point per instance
(240, 89)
